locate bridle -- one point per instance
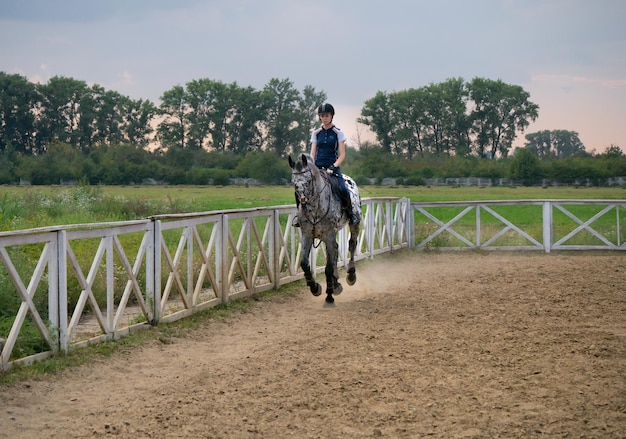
(315, 196)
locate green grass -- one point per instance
(35, 206)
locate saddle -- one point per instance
(342, 197)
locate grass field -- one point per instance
(232, 197)
(38, 206)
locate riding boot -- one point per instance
(353, 218)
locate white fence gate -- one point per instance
(94, 282)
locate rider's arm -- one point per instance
(342, 154)
(313, 150)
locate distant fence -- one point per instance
(80, 284)
(487, 182)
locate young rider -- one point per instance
(328, 149)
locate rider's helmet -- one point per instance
(326, 108)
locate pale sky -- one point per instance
(570, 55)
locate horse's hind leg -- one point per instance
(354, 233)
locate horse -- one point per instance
(321, 216)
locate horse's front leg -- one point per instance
(354, 233)
(307, 243)
(332, 278)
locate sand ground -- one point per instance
(463, 345)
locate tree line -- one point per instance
(208, 131)
(480, 117)
(203, 114)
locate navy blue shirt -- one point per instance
(327, 150)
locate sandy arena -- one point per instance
(463, 345)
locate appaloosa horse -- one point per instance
(321, 216)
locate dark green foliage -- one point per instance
(478, 118)
(264, 167)
(525, 167)
(209, 132)
(555, 144)
(29, 342)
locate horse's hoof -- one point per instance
(316, 289)
(338, 289)
(330, 298)
(351, 278)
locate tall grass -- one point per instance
(39, 207)
(28, 207)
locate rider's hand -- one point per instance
(331, 170)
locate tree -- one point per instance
(172, 131)
(61, 162)
(137, 117)
(525, 167)
(557, 143)
(567, 144)
(101, 118)
(263, 166)
(306, 117)
(500, 110)
(280, 124)
(613, 151)
(60, 113)
(244, 127)
(377, 115)
(444, 118)
(539, 143)
(210, 108)
(410, 108)
(18, 100)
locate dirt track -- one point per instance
(426, 345)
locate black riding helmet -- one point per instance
(326, 108)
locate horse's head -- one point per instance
(303, 175)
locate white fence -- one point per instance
(101, 281)
(94, 282)
(519, 225)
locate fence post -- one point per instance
(370, 230)
(110, 290)
(53, 291)
(153, 270)
(343, 247)
(61, 273)
(547, 226)
(274, 246)
(223, 255)
(478, 238)
(389, 223)
(410, 224)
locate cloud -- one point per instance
(567, 81)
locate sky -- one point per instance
(569, 55)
